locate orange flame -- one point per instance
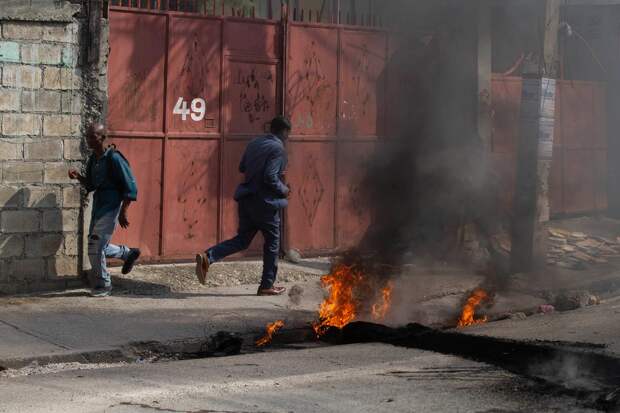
(469, 310)
(379, 310)
(351, 294)
(271, 330)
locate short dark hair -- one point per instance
(97, 128)
(280, 123)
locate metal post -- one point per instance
(284, 28)
(338, 12)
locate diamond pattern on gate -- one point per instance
(311, 190)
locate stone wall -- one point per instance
(41, 106)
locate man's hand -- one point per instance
(74, 174)
(290, 191)
(122, 219)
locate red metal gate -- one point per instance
(187, 92)
(578, 182)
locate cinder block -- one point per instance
(27, 269)
(69, 56)
(70, 220)
(50, 150)
(71, 244)
(71, 197)
(22, 31)
(4, 276)
(41, 101)
(11, 196)
(62, 33)
(10, 151)
(61, 125)
(43, 245)
(71, 102)
(62, 267)
(42, 197)
(23, 172)
(11, 246)
(73, 151)
(9, 99)
(17, 124)
(20, 221)
(57, 173)
(61, 78)
(9, 52)
(21, 76)
(52, 220)
(41, 53)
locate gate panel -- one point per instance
(233, 150)
(255, 38)
(600, 179)
(136, 72)
(556, 181)
(506, 92)
(251, 96)
(576, 102)
(191, 198)
(583, 144)
(313, 80)
(194, 73)
(352, 218)
(578, 180)
(506, 112)
(362, 65)
(310, 215)
(235, 65)
(144, 156)
(504, 169)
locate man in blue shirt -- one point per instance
(260, 198)
(107, 174)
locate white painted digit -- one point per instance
(199, 109)
(181, 108)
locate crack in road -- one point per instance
(31, 334)
(162, 409)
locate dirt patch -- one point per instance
(36, 369)
(182, 278)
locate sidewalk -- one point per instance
(596, 325)
(166, 303)
(55, 325)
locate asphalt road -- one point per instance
(354, 378)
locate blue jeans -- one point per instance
(254, 216)
(99, 248)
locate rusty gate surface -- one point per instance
(578, 181)
(186, 94)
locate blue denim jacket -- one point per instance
(112, 180)
(263, 164)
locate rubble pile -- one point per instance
(575, 250)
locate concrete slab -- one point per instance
(595, 325)
(75, 321)
(23, 344)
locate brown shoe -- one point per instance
(271, 291)
(202, 267)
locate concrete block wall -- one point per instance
(41, 101)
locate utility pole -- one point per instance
(484, 73)
(535, 148)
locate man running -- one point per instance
(107, 174)
(260, 199)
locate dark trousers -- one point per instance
(254, 216)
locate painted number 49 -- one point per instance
(197, 112)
